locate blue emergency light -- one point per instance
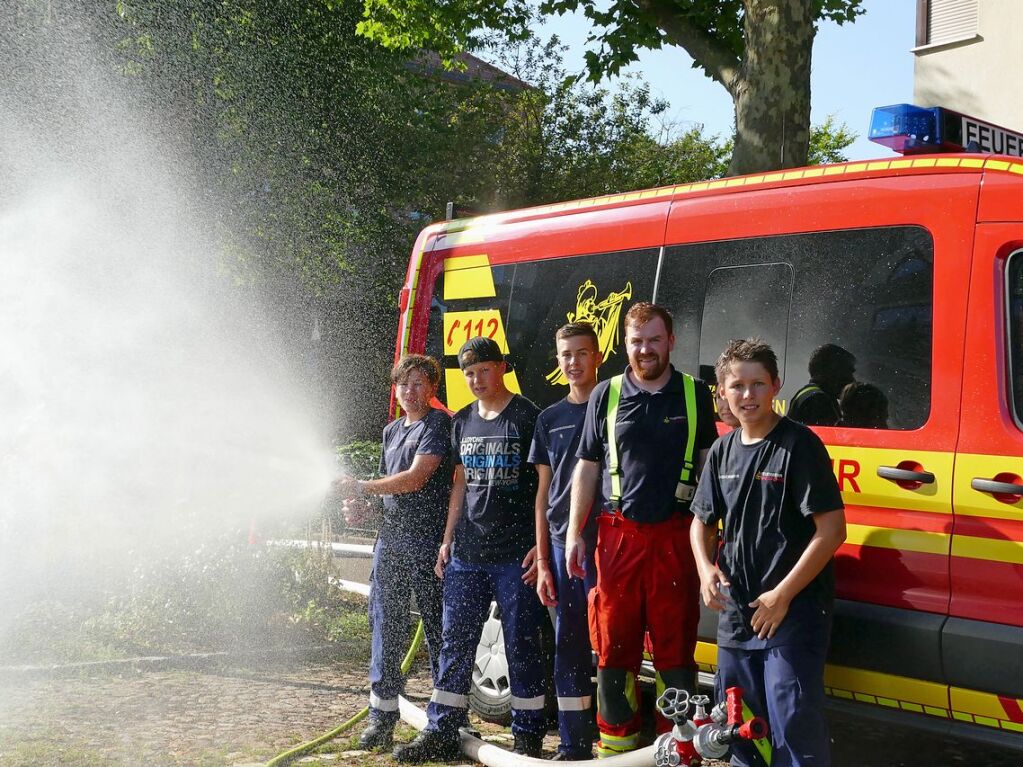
(909, 129)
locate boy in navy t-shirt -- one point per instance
(770, 485)
(415, 483)
(487, 555)
(555, 442)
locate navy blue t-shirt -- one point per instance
(497, 523)
(555, 443)
(420, 515)
(652, 429)
(766, 494)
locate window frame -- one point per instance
(1012, 261)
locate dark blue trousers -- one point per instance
(469, 588)
(400, 569)
(573, 658)
(784, 685)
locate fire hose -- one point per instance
(703, 736)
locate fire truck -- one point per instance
(914, 265)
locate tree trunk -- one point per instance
(772, 92)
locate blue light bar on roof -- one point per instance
(909, 129)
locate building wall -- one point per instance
(979, 76)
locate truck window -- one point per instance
(1014, 332)
(531, 300)
(864, 296)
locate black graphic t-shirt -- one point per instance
(554, 444)
(497, 520)
(417, 516)
(766, 494)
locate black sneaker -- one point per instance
(528, 745)
(377, 735)
(565, 756)
(429, 746)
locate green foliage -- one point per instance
(827, 142)
(360, 457)
(220, 597)
(621, 28)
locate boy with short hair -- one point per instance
(487, 554)
(555, 442)
(770, 485)
(415, 483)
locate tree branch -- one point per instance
(717, 59)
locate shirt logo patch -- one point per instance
(728, 476)
(674, 418)
(770, 476)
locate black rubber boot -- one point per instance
(429, 746)
(377, 735)
(528, 745)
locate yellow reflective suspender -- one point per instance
(614, 396)
(688, 465)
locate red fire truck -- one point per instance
(915, 266)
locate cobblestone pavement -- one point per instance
(233, 714)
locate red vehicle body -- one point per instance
(914, 265)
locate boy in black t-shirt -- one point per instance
(553, 453)
(415, 483)
(770, 485)
(487, 555)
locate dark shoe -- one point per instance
(376, 735)
(565, 756)
(528, 745)
(429, 746)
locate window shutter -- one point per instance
(951, 20)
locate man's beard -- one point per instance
(651, 374)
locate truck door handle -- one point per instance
(905, 475)
(996, 487)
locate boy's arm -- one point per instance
(584, 491)
(544, 577)
(408, 481)
(703, 537)
(772, 606)
(454, 514)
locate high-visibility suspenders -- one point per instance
(804, 392)
(614, 396)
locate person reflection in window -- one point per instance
(816, 404)
(864, 406)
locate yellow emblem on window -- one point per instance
(604, 315)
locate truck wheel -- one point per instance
(490, 694)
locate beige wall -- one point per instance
(981, 77)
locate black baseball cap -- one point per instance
(480, 349)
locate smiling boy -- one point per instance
(555, 442)
(770, 485)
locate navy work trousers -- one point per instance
(573, 657)
(400, 569)
(469, 588)
(784, 685)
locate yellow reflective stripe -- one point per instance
(689, 385)
(988, 549)
(614, 395)
(631, 694)
(919, 541)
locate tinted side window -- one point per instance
(532, 300)
(867, 291)
(1014, 332)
